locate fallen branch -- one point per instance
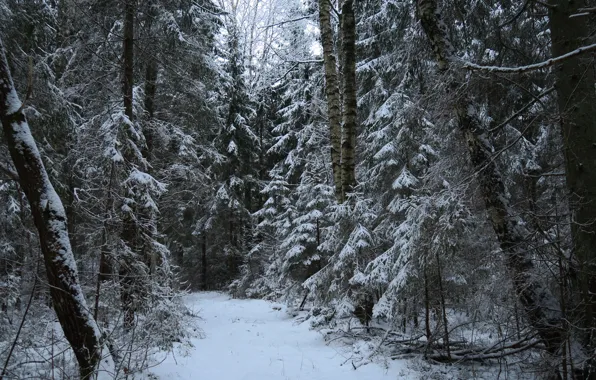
(373, 352)
(458, 357)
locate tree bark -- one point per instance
(130, 233)
(332, 93)
(127, 56)
(80, 329)
(540, 306)
(204, 285)
(575, 78)
(150, 87)
(350, 103)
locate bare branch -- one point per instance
(516, 16)
(9, 172)
(536, 66)
(287, 21)
(522, 110)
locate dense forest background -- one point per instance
(426, 167)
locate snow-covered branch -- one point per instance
(536, 66)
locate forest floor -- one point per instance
(258, 340)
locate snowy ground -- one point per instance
(250, 340)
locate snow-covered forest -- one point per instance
(408, 178)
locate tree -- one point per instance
(50, 219)
(575, 78)
(350, 101)
(332, 91)
(541, 308)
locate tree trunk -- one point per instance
(427, 310)
(150, 88)
(540, 306)
(80, 329)
(204, 262)
(127, 56)
(350, 104)
(332, 92)
(443, 306)
(130, 233)
(575, 78)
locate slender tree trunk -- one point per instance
(350, 104)
(105, 267)
(443, 307)
(427, 309)
(332, 92)
(127, 56)
(150, 87)
(80, 329)
(204, 262)
(575, 78)
(540, 306)
(130, 233)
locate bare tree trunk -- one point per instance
(540, 306)
(443, 306)
(150, 87)
(80, 329)
(427, 309)
(350, 104)
(105, 267)
(127, 56)
(204, 262)
(575, 78)
(332, 92)
(130, 233)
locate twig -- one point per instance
(16, 338)
(29, 86)
(522, 110)
(287, 21)
(373, 352)
(9, 172)
(516, 16)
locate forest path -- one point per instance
(250, 340)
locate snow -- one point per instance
(256, 340)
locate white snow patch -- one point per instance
(257, 340)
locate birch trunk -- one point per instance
(80, 329)
(350, 103)
(540, 306)
(332, 92)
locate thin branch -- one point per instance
(536, 66)
(522, 110)
(546, 5)
(16, 338)
(332, 7)
(9, 172)
(286, 22)
(516, 16)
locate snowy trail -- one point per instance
(249, 340)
